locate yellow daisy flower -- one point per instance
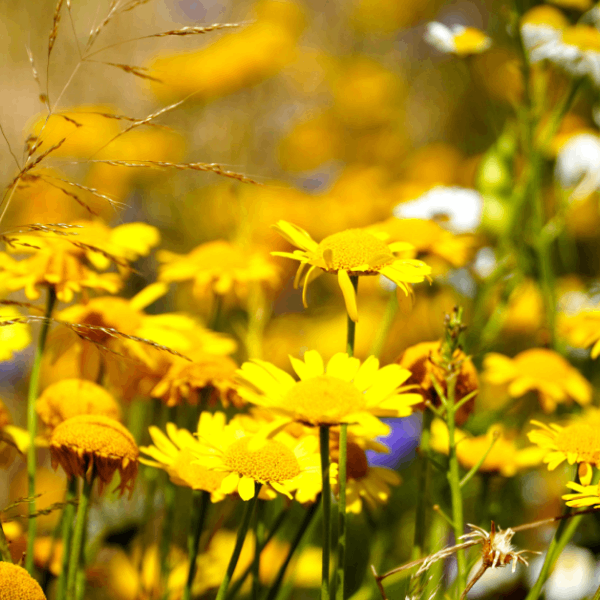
(282, 463)
(172, 454)
(219, 268)
(576, 442)
(350, 253)
(505, 457)
(582, 330)
(343, 391)
(88, 445)
(584, 496)
(538, 370)
(13, 338)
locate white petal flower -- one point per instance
(462, 207)
(578, 165)
(542, 24)
(457, 39)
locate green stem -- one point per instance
(239, 542)
(454, 481)
(200, 503)
(34, 388)
(351, 324)
(342, 537)
(4, 547)
(326, 502)
(308, 517)
(384, 326)
(235, 588)
(78, 534)
(259, 534)
(67, 529)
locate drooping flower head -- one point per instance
(95, 445)
(343, 391)
(17, 584)
(576, 442)
(349, 253)
(172, 454)
(457, 39)
(281, 463)
(538, 370)
(70, 397)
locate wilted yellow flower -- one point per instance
(95, 445)
(343, 391)
(70, 397)
(209, 377)
(14, 337)
(422, 360)
(237, 60)
(17, 583)
(219, 268)
(350, 253)
(576, 442)
(539, 370)
(505, 457)
(172, 453)
(457, 39)
(282, 463)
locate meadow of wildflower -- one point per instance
(300, 300)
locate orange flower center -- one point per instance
(273, 461)
(354, 249)
(324, 400)
(357, 466)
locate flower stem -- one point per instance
(259, 534)
(308, 517)
(78, 534)
(34, 386)
(351, 324)
(384, 326)
(239, 542)
(200, 503)
(67, 529)
(326, 502)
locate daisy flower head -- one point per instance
(349, 253)
(457, 209)
(576, 442)
(456, 39)
(576, 50)
(582, 330)
(172, 453)
(219, 268)
(578, 165)
(542, 24)
(538, 370)
(343, 391)
(584, 496)
(16, 582)
(280, 463)
(95, 445)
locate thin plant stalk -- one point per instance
(306, 522)
(239, 542)
(342, 460)
(384, 326)
(4, 548)
(66, 532)
(259, 534)
(455, 488)
(76, 549)
(200, 503)
(423, 485)
(326, 503)
(34, 387)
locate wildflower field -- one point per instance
(300, 300)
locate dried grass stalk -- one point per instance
(192, 30)
(137, 71)
(54, 30)
(114, 203)
(36, 76)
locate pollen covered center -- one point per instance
(324, 399)
(582, 440)
(273, 461)
(354, 249)
(357, 466)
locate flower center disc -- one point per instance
(357, 466)
(352, 249)
(273, 461)
(324, 400)
(583, 440)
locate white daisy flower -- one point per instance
(578, 165)
(462, 207)
(542, 24)
(456, 39)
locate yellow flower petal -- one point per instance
(349, 294)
